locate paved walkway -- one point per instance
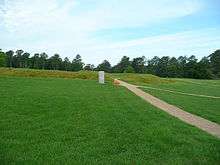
(199, 122)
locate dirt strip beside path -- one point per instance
(199, 122)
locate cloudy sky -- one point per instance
(109, 29)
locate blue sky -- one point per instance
(110, 29)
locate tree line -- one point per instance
(181, 67)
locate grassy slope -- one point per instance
(89, 75)
(205, 107)
(141, 79)
(65, 120)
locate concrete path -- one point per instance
(199, 122)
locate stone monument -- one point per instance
(101, 77)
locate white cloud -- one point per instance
(198, 42)
(127, 13)
(23, 16)
(66, 27)
(39, 15)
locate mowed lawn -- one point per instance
(208, 108)
(67, 121)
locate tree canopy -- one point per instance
(215, 62)
(104, 66)
(183, 66)
(77, 63)
(2, 59)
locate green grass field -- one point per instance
(208, 108)
(72, 121)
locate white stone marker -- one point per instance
(101, 77)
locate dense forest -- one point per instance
(182, 67)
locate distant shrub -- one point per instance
(129, 69)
